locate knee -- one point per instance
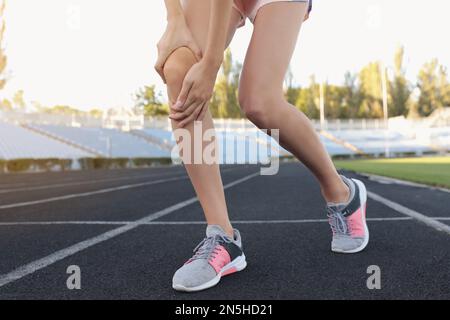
(256, 106)
(173, 72)
(176, 68)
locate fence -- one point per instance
(127, 123)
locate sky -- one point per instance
(97, 53)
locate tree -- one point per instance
(62, 109)
(5, 104)
(38, 106)
(399, 88)
(96, 113)
(148, 102)
(334, 102)
(224, 103)
(3, 58)
(360, 96)
(18, 100)
(370, 84)
(308, 100)
(434, 88)
(291, 92)
(413, 111)
(444, 86)
(352, 98)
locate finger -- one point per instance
(197, 111)
(196, 50)
(202, 114)
(183, 96)
(179, 116)
(191, 118)
(184, 107)
(186, 113)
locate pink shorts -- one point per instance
(249, 8)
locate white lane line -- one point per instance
(79, 175)
(302, 221)
(34, 266)
(63, 180)
(390, 180)
(91, 193)
(163, 223)
(62, 223)
(45, 223)
(81, 183)
(431, 222)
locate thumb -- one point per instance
(182, 97)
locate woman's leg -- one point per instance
(276, 29)
(205, 178)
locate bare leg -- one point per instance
(261, 93)
(205, 178)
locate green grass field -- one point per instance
(433, 171)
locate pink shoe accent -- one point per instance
(229, 271)
(220, 258)
(356, 222)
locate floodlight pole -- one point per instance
(322, 106)
(384, 89)
(109, 146)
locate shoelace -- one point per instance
(206, 249)
(338, 222)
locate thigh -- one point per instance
(197, 15)
(273, 42)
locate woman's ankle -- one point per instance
(226, 227)
(338, 193)
(229, 231)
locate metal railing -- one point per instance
(221, 124)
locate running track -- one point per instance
(129, 230)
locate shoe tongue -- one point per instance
(214, 230)
(336, 207)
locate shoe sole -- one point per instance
(363, 204)
(234, 266)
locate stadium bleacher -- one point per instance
(377, 141)
(235, 146)
(161, 134)
(335, 149)
(239, 142)
(19, 143)
(107, 142)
